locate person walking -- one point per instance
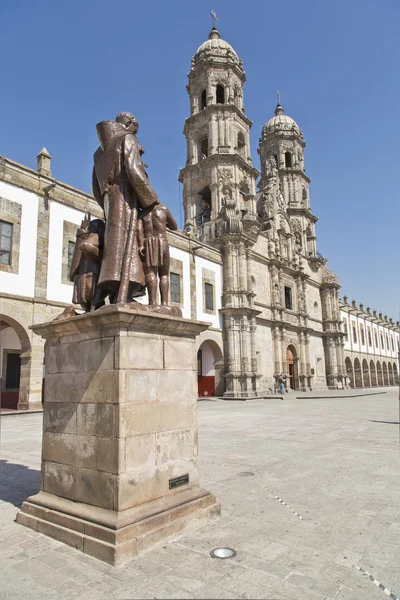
(281, 382)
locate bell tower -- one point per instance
(281, 150)
(218, 176)
(219, 197)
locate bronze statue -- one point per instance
(121, 187)
(119, 258)
(86, 261)
(155, 250)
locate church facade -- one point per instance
(246, 261)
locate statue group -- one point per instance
(119, 258)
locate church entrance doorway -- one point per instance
(291, 360)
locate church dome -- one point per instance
(281, 122)
(216, 48)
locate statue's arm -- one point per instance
(136, 174)
(171, 223)
(96, 190)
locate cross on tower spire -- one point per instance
(214, 18)
(278, 97)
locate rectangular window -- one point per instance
(5, 242)
(369, 338)
(362, 335)
(175, 287)
(382, 345)
(208, 292)
(376, 340)
(71, 250)
(392, 343)
(346, 333)
(288, 298)
(354, 334)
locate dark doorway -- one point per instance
(13, 370)
(291, 376)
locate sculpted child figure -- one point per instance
(154, 250)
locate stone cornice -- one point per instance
(222, 159)
(211, 109)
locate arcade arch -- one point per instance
(379, 372)
(210, 369)
(357, 373)
(373, 373)
(15, 363)
(366, 375)
(349, 371)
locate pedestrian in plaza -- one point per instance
(347, 382)
(281, 381)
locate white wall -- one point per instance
(202, 263)
(9, 340)
(207, 360)
(23, 282)
(56, 290)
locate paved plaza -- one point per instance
(317, 518)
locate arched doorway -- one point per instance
(385, 374)
(390, 369)
(373, 373)
(349, 371)
(367, 379)
(292, 368)
(209, 369)
(395, 374)
(379, 373)
(357, 373)
(14, 362)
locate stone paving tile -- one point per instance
(326, 459)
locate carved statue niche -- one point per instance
(230, 212)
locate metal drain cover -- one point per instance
(246, 474)
(223, 553)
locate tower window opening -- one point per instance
(203, 99)
(205, 213)
(276, 160)
(204, 148)
(288, 160)
(220, 94)
(241, 144)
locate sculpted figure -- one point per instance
(86, 261)
(121, 187)
(154, 250)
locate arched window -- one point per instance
(288, 160)
(203, 99)
(241, 144)
(205, 213)
(220, 94)
(204, 148)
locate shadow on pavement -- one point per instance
(387, 422)
(17, 482)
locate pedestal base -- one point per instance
(116, 537)
(119, 452)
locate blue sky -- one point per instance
(68, 65)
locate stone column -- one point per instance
(277, 350)
(31, 378)
(119, 454)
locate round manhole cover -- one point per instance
(223, 553)
(246, 474)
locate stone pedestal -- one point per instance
(119, 455)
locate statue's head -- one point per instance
(128, 121)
